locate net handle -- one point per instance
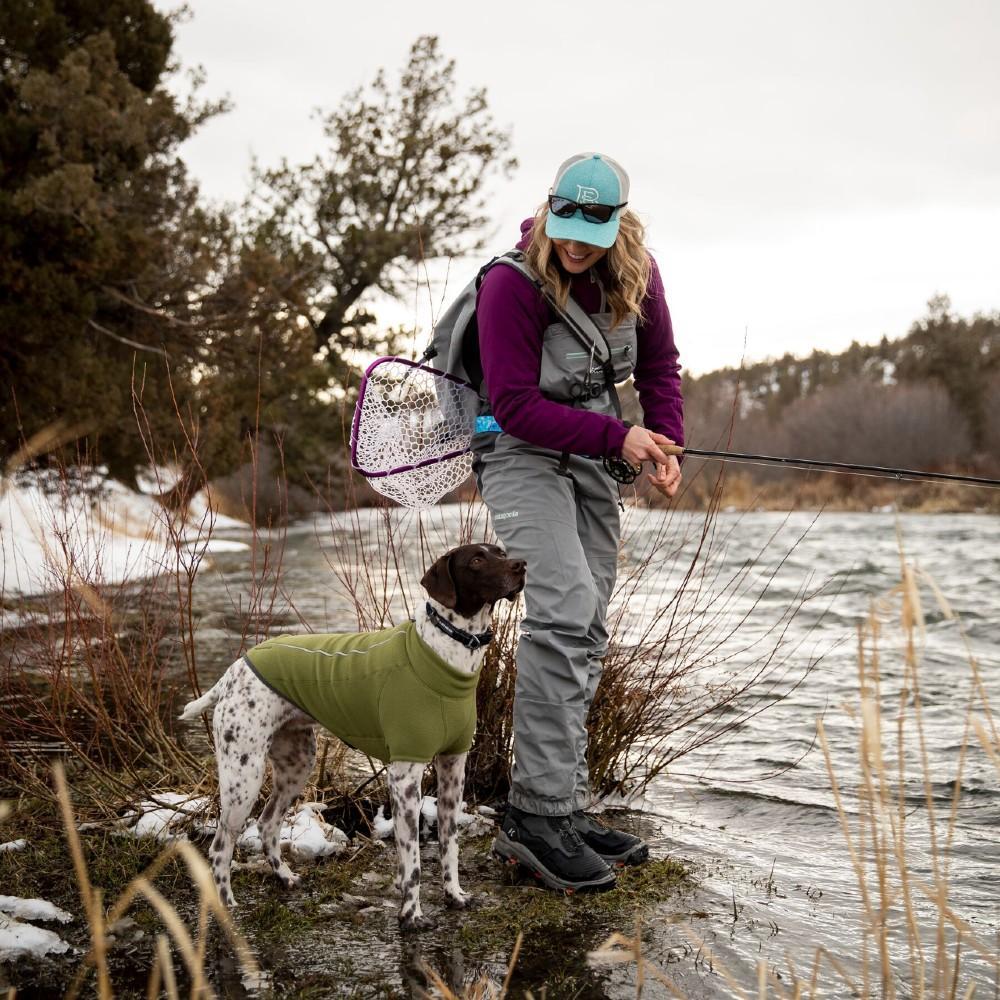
(416, 365)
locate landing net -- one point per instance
(412, 430)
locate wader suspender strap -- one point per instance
(586, 331)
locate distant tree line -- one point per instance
(133, 311)
(929, 399)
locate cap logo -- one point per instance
(587, 195)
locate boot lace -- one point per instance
(572, 841)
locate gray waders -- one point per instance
(560, 514)
(566, 527)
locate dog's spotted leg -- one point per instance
(292, 754)
(240, 751)
(404, 790)
(450, 780)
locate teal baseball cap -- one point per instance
(586, 200)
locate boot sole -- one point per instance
(510, 851)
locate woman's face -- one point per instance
(577, 257)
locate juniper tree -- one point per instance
(401, 180)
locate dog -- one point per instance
(262, 710)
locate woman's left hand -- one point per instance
(667, 478)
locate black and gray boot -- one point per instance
(614, 846)
(553, 851)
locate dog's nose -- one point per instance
(518, 565)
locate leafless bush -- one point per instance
(677, 675)
(911, 425)
(90, 675)
(84, 677)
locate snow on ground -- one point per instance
(13, 845)
(304, 830)
(97, 532)
(478, 822)
(307, 834)
(33, 909)
(19, 939)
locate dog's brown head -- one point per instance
(470, 577)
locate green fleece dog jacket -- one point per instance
(386, 693)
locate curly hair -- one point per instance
(625, 268)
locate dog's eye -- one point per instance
(475, 561)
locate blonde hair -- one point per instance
(625, 267)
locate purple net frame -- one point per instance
(368, 474)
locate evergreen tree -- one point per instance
(104, 249)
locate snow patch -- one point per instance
(20, 940)
(99, 531)
(33, 909)
(304, 830)
(306, 833)
(13, 845)
(476, 823)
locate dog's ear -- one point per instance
(439, 583)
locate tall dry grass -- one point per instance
(91, 676)
(892, 896)
(190, 946)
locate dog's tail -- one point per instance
(194, 708)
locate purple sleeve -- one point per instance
(657, 371)
(512, 318)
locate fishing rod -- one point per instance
(619, 467)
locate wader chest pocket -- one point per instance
(565, 360)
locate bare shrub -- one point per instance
(90, 674)
(861, 421)
(677, 675)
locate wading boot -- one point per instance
(553, 851)
(614, 846)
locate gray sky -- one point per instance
(809, 172)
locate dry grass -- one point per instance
(91, 678)
(176, 938)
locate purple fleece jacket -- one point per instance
(513, 315)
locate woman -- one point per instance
(553, 503)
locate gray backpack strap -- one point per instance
(577, 318)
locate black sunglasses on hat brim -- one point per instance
(566, 208)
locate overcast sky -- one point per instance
(809, 172)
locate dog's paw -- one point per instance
(416, 923)
(290, 880)
(460, 900)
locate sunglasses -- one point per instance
(565, 208)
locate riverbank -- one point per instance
(336, 934)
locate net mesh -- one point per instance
(412, 430)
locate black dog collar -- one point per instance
(467, 639)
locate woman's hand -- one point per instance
(641, 445)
